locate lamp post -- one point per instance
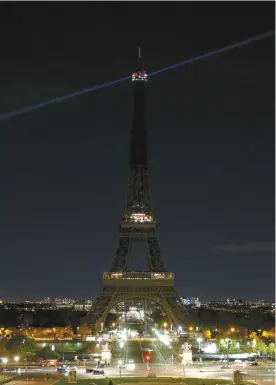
(199, 340)
(5, 361)
(227, 340)
(16, 359)
(120, 368)
(184, 374)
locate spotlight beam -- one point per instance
(111, 83)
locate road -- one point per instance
(140, 370)
(163, 362)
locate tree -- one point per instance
(47, 353)
(84, 330)
(207, 334)
(226, 347)
(271, 350)
(260, 347)
(246, 347)
(254, 336)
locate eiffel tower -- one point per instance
(136, 225)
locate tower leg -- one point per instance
(156, 261)
(120, 261)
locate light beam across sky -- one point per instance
(97, 87)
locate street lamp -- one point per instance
(165, 324)
(184, 374)
(16, 358)
(120, 368)
(199, 340)
(121, 344)
(227, 340)
(5, 361)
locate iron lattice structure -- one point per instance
(138, 224)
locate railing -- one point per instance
(139, 275)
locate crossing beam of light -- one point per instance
(97, 87)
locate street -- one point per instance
(139, 358)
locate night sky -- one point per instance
(64, 168)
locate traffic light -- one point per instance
(147, 357)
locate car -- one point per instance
(89, 370)
(254, 363)
(131, 361)
(61, 368)
(71, 367)
(98, 371)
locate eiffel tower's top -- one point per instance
(140, 75)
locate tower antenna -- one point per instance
(139, 57)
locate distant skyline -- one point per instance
(201, 299)
(64, 168)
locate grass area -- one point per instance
(118, 380)
(2, 376)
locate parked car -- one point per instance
(254, 363)
(89, 370)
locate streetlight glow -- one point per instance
(16, 358)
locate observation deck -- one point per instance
(139, 76)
